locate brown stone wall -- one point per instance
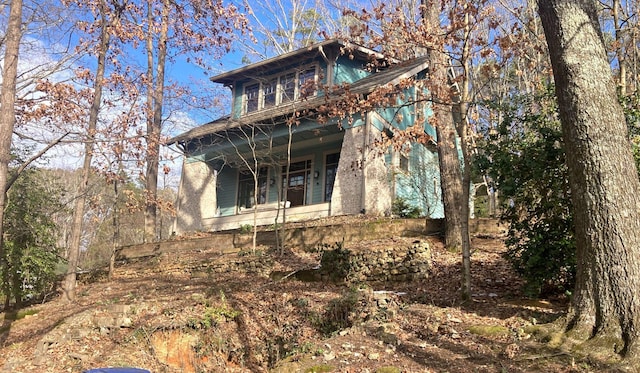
(306, 238)
(392, 260)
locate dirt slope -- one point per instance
(202, 322)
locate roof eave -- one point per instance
(228, 77)
(308, 104)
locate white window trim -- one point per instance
(279, 89)
(309, 186)
(323, 172)
(240, 209)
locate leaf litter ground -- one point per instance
(250, 323)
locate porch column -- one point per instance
(363, 183)
(378, 178)
(196, 196)
(346, 198)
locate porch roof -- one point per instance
(392, 75)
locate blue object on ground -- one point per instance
(117, 370)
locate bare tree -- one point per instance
(450, 174)
(286, 25)
(203, 29)
(155, 97)
(106, 22)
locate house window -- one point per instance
(287, 87)
(252, 92)
(280, 90)
(269, 93)
(331, 169)
(306, 82)
(404, 162)
(247, 191)
(296, 183)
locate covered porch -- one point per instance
(266, 215)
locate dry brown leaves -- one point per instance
(277, 323)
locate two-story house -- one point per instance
(289, 150)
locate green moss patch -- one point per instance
(388, 370)
(319, 369)
(489, 330)
(21, 314)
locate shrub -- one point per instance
(526, 160)
(400, 207)
(31, 256)
(338, 260)
(246, 228)
(340, 313)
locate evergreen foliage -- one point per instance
(401, 208)
(631, 106)
(30, 236)
(526, 161)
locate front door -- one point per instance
(296, 191)
(297, 182)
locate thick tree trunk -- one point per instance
(450, 178)
(603, 179)
(13, 35)
(450, 174)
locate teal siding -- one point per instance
(348, 70)
(401, 116)
(421, 185)
(227, 191)
(356, 120)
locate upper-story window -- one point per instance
(404, 162)
(252, 92)
(269, 94)
(280, 89)
(306, 82)
(287, 87)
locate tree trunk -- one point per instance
(450, 174)
(154, 125)
(13, 35)
(460, 115)
(604, 183)
(69, 285)
(620, 49)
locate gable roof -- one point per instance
(390, 76)
(324, 47)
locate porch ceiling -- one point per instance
(269, 142)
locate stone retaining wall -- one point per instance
(305, 238)
(392, 262)
(380, 261)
